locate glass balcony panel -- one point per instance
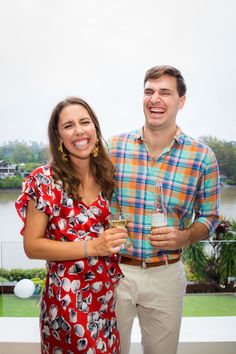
(21, 281)
(203, 299)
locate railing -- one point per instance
(208, 325)
(221, 303)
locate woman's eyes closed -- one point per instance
(73, 125)
(85, 122)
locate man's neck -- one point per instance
(158, 140)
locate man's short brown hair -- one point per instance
(157, 71)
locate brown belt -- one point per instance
(137, 262)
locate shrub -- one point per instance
(215, 260)
(18, 274)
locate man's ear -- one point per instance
(182, 102)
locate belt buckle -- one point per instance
(144, 265)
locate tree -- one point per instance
(15, 152)
(43, 155)
(226, 156)
(23, 153)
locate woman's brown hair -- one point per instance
(101, 167)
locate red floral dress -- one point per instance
(77, 308)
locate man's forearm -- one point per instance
(196, 232)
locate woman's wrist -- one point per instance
(89, 248)
(86, 252)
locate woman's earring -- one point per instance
(95, 150)
(63, 155)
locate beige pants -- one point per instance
(155, 295)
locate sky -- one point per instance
(100, 50)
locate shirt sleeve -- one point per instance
(36, 186)
(208, 195)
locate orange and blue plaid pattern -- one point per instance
(189, 174)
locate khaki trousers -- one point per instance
(155, 295)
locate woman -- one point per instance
(64, 206)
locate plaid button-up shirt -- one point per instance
(189, 174)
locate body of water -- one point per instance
(12, 254)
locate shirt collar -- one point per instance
(179, 136)
(138, 135)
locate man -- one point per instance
(155, 281)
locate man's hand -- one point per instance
(171, 238)
(168, 238)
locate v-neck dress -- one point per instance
(77, 308)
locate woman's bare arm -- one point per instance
(37, 246)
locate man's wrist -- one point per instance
(187, 238)
(196, 232)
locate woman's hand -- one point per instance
(108, 242)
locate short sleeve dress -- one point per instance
(77, 308)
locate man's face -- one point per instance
(161, 102)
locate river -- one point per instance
(12, 255)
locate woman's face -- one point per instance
(77, 131)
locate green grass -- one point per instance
(209, 305)
(12, 306)
(194, 306)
